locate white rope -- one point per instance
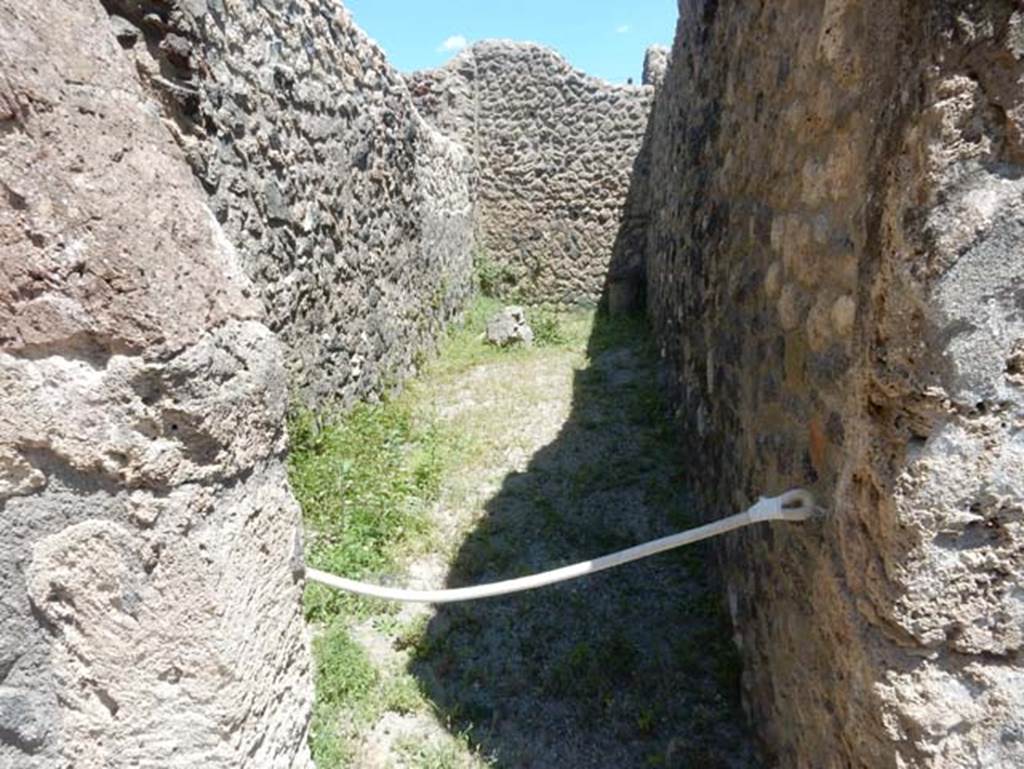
(795, 505)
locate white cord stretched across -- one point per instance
(795, 505)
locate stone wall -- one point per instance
(554, 150)
(149, 577)
(836, 276)
(351, 215)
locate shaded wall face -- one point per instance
(835, 273)
(351, 215)
(149, 598)
(554, 150)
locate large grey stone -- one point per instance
(150, 613)
(509, 327)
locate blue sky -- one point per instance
(601, 37)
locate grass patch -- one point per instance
(457, 752)
(363, 481)
(547, 328)
(592, 671)
(610, 331)
(344, 678)
(344, 674)
(351, 694)
(464, 347)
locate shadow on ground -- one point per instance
(628, 668)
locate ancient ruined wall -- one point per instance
(149, 591)
(351, 215)
(836, 273)
(625, 280)
(554, 150)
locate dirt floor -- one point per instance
(555, 454)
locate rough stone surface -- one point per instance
(833, 250)
(655, 64)
(554, 149)
(509, 327)
(149, 602)
(352, 216)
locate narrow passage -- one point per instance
(493, 464)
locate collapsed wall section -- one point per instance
(835, 273)
(352, 216)
(553, 150)
(150, 581)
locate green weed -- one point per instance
(344, 677)
(463, 346)
(363, 481)
(344, 673)
(547, 328)
(646, 720)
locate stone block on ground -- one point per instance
(509, 327)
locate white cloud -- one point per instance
(453, 43)
(623, 29)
